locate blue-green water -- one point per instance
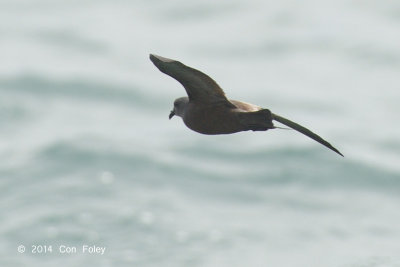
(89, 157)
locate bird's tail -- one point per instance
(304, 131)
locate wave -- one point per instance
(276, 167)
(87, 90)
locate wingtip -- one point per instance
(335, 150)
(154, 57)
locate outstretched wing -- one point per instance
(199, 86)
(304, 131)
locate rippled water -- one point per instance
(88, 156)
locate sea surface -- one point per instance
(89, 159)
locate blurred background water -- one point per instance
(88, 156)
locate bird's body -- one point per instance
(230, 119)
(202, 120)
(207, 110)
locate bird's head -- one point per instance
(179, 107)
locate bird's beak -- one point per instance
(171, 114)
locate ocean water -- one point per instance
(88, 157)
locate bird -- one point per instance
(207, 110)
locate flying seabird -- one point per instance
(207, 110)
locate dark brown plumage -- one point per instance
(207, 110)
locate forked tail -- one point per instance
(304, 131)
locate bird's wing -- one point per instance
(247, 107)
(199, 86)
(305, 131)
